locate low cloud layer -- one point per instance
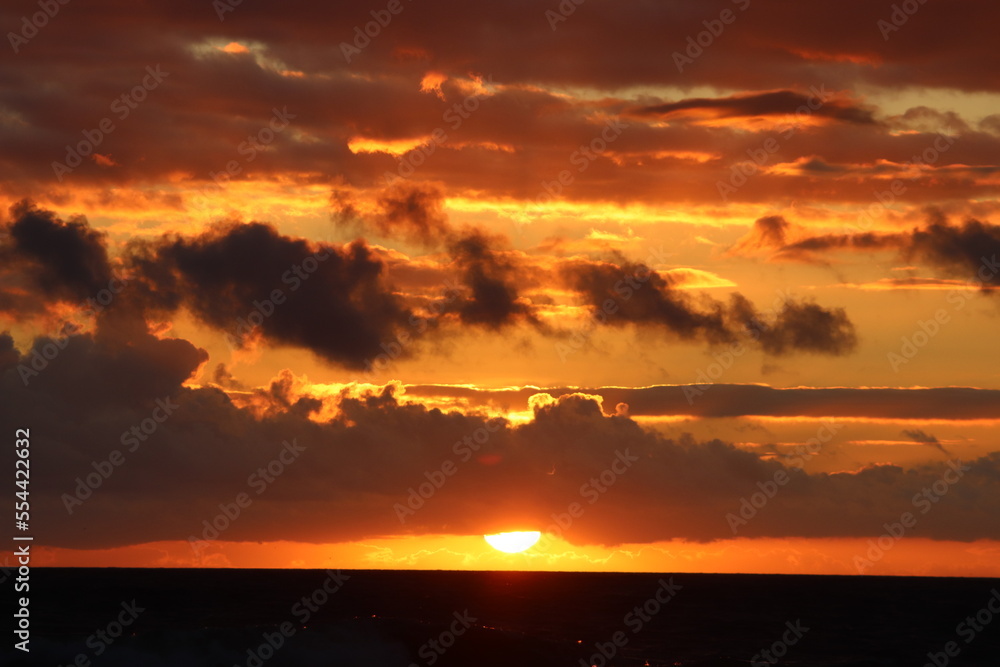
(743, 400)
(346, 478)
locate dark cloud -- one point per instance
(772, 229)
(798, 327)
(247, 279)
(490, 296)
(781, 37)
(917, 435)
(56, 260)
(767, 233)
(412, 211)
(417, 208)
(120, 364)
(966, 251)
(926, 119)
(252, 283)
(353, 472)
(492, 300)
(743, 400)
(808, 249)
(727, 400)
(780, 102)
(816, 165)
(9, 355)
(633, 294)
(223, 377)
(521, 134)
(641, 296)
(991, 123)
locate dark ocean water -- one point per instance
(224, 618)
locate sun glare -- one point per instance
(513, 543)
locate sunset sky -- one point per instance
(686, 286)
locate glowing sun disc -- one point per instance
(515, 542)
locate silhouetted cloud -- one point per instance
(780, 102)
(918, 435)
(359, 465)
(634, 294)
(799, 327)
(967, 251)
(492, 300)
(412, 211)
(415, 212)
(247, 278)
(768, 233)
(53, 259)
(746, 400)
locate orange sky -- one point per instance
(515, 248)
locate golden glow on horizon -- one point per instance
(913, 556)
(513, 542)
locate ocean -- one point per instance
(352, 618)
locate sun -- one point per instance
(515, 542)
